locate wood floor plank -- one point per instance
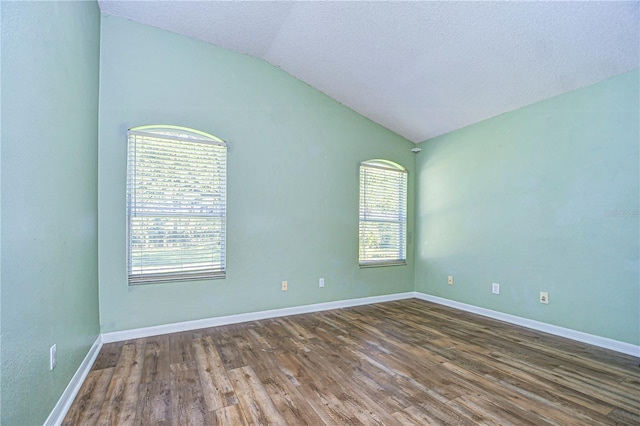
(254, 351)
(188, 407)
(184, 374)
(227, 349)
(561, 383)
(533, 387)
(407, 362)
(108, 356)
(296, 339)
(424, 396)
(154, 405)
(291, 325)
(121, 400)
(231, 415)
(545, 410)
(327, 406)
(254, 399)
(287, 399)
(367, 411)
(623, 417)
(297, 371)
(606, 391)
(88, 403)
(412, 416)
(156, 360)
(180, 350)
(217, 389)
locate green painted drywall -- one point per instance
(292, 178)
(544, 198)
(0, 216)
(50, 64)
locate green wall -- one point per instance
(292, 178)
(50, 67)
(544, 198)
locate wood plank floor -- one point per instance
(399, 363)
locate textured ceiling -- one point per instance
(421, 68)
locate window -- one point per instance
(383, 213)
(176, 205)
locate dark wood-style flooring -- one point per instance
(399, 363)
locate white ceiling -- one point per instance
(419, 68)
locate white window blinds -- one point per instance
(383, 213)
(176, 205)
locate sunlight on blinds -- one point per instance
(176, 205)
(383, 213)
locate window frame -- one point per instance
(209, 202)
(367, 260)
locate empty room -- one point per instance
(319, 213)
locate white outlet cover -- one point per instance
(321, 282)
(495, 288)
(53, 357)
(544, 297)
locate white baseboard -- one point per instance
(603, 342)
(66, 399)
(117, 336)
(579, 336)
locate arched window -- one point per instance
(176, 205)
(383, 213)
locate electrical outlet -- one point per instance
(321, 282)
(495, 288)
(544, 297)
(450, 280)
(285, 285)
(53, 357)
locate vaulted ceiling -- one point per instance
(419, 68)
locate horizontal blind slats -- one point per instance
(176, 198)
(383, 214)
